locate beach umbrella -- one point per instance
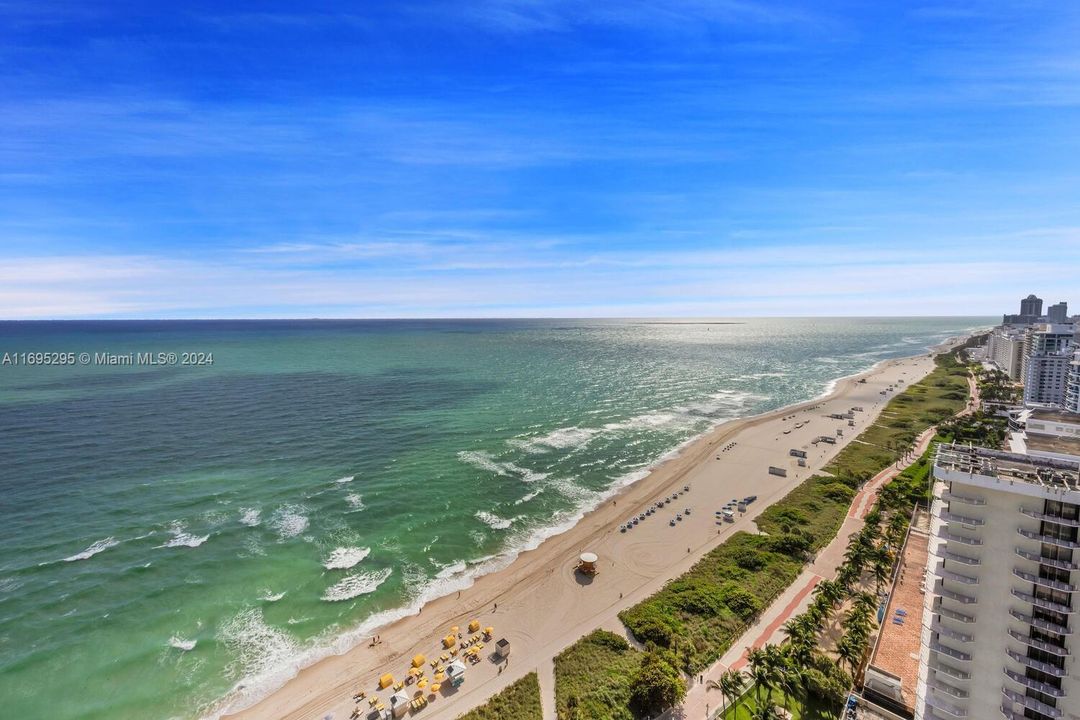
(489, 630)
(414, 671)
(422, 684)
(435, 688)
(439, 677)
(474, 625)
(454, 630)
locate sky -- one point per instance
(524, 158)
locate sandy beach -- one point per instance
(541, 605)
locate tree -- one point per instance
(731, 686)
(657, 685)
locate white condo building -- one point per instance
(999, 633)
(1005, 349)
(1072, 385)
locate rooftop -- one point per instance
(897, 649)
(1047, 472)
(1059, 416)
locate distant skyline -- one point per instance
(499, 158)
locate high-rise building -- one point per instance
(1005, 349)
(1047, 377)
(1001, 590)
(1058, 313)
(1031, 306)
(1044, 340)
(1072, 385)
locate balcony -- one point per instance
(947, 689)
(1045, 582)
(1040, 623)
(950, 671)
(1033, 704)
(1051, 562)
(937, 647)
(1039, 644)
(957, 557)
(955, 576)
(953, 615)
(952, 517)
(1045, 688)
(1048, 539)
(949, 709)
(1037, 664)
(1040, 603)
(1069, 522)
(965, 499)
(952, 537)
(952, 634)
(958, 597)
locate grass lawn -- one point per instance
(520, 701)
(801, 708)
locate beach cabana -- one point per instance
(449, 641)
(399, 704)
(418, 661)
(386, 681)
(474, 626)
(455, 673)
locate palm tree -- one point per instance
(763, 673)
(731, 685)
(850, 650)
(830, 592)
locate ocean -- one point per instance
(173, 534)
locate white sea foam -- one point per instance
(256, 647)
(268, 596)
(355, 500)
(346, 479)
(493, 521)
(182, 538)
(250, 516)
(97, 547)
(343, 558)
(528, 497)
(289, 521)
(356, 585)
(181, 644)
(9, 584)
(486, 461)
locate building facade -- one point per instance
(1031, 306)
(1072, 385)
(1058, 313)
(1001, 589)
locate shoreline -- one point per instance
(326, 683)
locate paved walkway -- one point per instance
(546, 675)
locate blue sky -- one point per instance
(530, 158)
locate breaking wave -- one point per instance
(343, 558)
(98, 547)
(356, 585)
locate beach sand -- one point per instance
(543, 606)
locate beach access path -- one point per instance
(541, 605)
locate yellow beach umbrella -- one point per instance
(414, 671)
(435, 688)
(474, 626)
(439, 677)
(454, 630)
(489, 630)
(422, 684)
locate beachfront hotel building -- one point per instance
(1000, 600)
(1005, 349)
(1072, 384)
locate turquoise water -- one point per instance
(170, 534)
